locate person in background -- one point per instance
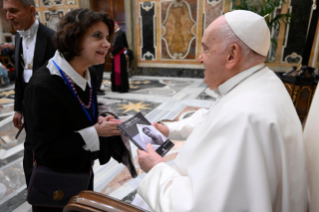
(4, 79)
(8, 50)
(33, 49)
(119, 75)
(99, 70)
(246, 152)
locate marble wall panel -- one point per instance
(53, 18)
(148, 26)
(212, 10)
(179, 20)
(36, 3)
(171, 43)
(70, 2)
(274, 33)
(296, 31)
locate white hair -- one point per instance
(228, 38)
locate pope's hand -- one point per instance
(162, 128)
(107, 126)
(149, 159)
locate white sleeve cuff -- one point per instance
(91, 138)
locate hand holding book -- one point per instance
(141, 132)
(149, 158)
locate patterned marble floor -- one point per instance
(158, 98)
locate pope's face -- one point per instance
(213, 57)
(20, 17)
(95, 44)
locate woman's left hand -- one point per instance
(107, 126)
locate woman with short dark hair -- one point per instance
(60, 99)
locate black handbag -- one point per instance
(54, 188)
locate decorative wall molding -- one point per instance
(50, 3)
(296, 31)
(293, 58)
(178, 28)
(271, 57)
(52, 19)
(70, 2)
(147, 7)
(148, 30)
(212, 9)
(213, 2)
(148, 56)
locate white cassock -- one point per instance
(245, 153)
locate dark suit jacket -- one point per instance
(43, 51)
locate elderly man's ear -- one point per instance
(233, 56)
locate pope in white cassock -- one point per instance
(246, 152)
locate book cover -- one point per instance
(141, 132)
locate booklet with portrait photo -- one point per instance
(141, 132)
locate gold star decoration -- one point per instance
(132, 106)
(134, 87)
(106, 82)
(7, 93)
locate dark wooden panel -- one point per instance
(119, 13)
(103, 5)
(116, 9)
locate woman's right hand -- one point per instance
(107, 126)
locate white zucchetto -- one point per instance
(251, 29)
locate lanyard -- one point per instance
(67, 82)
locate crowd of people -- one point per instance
(244, 153)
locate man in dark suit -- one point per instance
(33, 49)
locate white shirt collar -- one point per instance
(31, 31)
(117, 30)
(235, 80)
(69, 70)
